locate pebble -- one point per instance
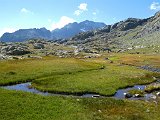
(158, 93)
(99, 111)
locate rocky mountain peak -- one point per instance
(128, 24)
(75, 28)
(157, 14)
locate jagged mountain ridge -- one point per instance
(67, 31)
(129, 33)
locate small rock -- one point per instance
(95, 96)
(99, 111)
(111, 61)
(154, 78)
(128, 95)
(158, 93)
(106, 58)
(137, 95)
(153, 97)
(147, 110)
(155, 102)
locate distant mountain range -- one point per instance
(25, 34)
(66, 32)
(74, 28)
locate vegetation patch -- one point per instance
(139, 93)
(17, 71)
(151, 88)
(104, 81)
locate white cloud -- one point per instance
(155, 6)
(24, 10)
(64, 20)
(10, 30)
(77, 12)
(81, 8)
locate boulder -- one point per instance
(153, 97)
(38, 46)
(1, 57)
(128, 95)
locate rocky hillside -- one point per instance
(67, 31)
(128, 34)
(34, 48)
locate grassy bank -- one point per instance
(23, 106)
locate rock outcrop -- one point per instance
(15, 50)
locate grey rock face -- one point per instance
(128, 24)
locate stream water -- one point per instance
(26, 87)
(118, 95)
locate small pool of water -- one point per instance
(147, 96)
(120, 93)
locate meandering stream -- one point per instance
(118, 95)
(26, 87)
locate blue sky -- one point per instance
(23, 14)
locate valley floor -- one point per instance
(104, 76)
